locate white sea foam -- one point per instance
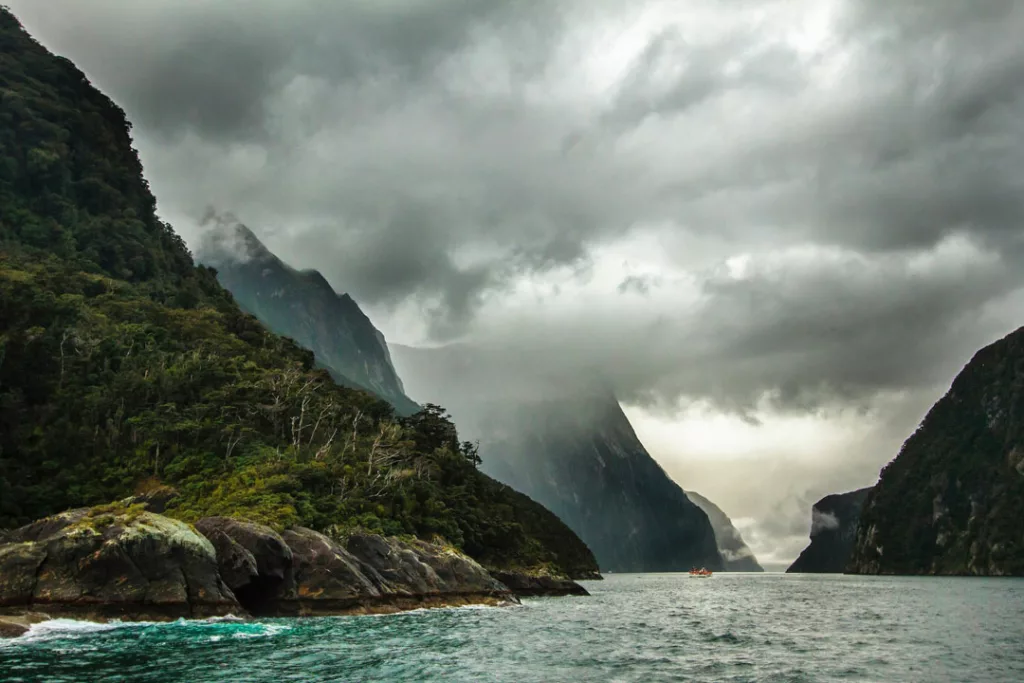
(429, 610)
(231, 618)
(262, 630)
(72, 628)
(61, 628)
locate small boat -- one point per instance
(701, 573)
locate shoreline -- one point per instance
(143, 566)
(15, 623)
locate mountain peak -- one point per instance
(563, 439)
(303, 305)
(736, 555)
(226, 240)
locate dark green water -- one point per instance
(647, 627)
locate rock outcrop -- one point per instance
(324, 576)
(12, 626)
(111, 562)
(529, 585)
(736, 555)
(302, 572)
(121, 561)
(834, 521)
(253, 559)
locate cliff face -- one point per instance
(952, 501)
(568, 445)
(833, 528)
(303, 306)
(736, 556)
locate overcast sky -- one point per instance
(778, 227)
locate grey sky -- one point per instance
(777, 208)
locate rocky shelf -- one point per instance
(122, 561)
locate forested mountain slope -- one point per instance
(952, 501)
(124, 367)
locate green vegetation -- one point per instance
(125, 367)
(953, 499)
(102, 516)
(303, 306)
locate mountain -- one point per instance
(566, 443)
(736, 556)
(833, 527)
(125, 368)
(303, 306)
(952, 500)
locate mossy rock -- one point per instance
(112, 561)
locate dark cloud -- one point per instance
(213, 67)
(863, 158)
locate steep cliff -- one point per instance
(833, 528)
(952, 500)
(125, 367)
(736, 556)
(566, 443)
(302, 305)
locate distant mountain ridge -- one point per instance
(834, 521)
(302, 305)
(952, 500)
(568, 445)
(736, 555)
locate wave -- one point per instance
(53, 629)
(429, 610)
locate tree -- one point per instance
(471, 451)
(433, 429)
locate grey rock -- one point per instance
(112, 561)
(253, 560)
(14, 625)
(526, 585)
(325, 570)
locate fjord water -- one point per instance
(643, 627)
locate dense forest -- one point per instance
(125, 368)
(952, 501)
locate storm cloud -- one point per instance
(770, 207)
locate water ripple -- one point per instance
(655, 627)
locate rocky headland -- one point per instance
(122, 561)
(834, 521)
